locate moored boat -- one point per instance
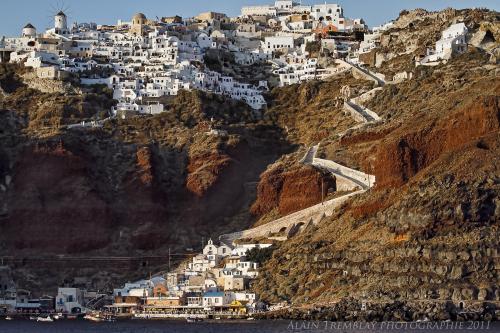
(94, 318)
(47, 319)
(193, 319)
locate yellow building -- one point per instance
(237, 307)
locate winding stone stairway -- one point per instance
(360, 113)
(290, 225)
(348, 179)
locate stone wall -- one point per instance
(48, 85)
(362, 179)
(304, 217)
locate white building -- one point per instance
(216, 299)
(272, 44)
(329, 14)
(265, 10)
(242, 249)
(70, 300)
(298, 72)
(453, 41)
(284, 5)
(202, 263)
(247, 268)
(152, 109)
(244, 297)
(139, 289)
(222, 250)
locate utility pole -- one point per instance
(169, 260)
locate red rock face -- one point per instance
(290, 191)
(401, 157)
(141, 205)
(53, 205)
(58, 206)
(268, 191)
(204, 170)
(145, 166)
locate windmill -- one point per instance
(58, 15)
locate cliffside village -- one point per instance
(143, 60)
(215, 282)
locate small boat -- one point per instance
(93, 318)
(110, 319)
(217, 318)
(250, 318)
(8, 318)
(193, 320)
(45, 319)
(33, 318)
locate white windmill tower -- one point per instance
(61, 23)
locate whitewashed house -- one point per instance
(242, 249)
(264, 10)
(276, 43)
(453, 41)
(329, 14)
(216, 299)
(70, 300)
(151, 109)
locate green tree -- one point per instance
(260, 255)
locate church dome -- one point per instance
(139, 18)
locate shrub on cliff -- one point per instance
(260, 255)
(9, 81)
(313, 47)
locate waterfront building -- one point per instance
(70, 300)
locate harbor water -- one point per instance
(160, 326)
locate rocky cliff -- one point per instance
(423, 243)
(287, 187)
(134, 187)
